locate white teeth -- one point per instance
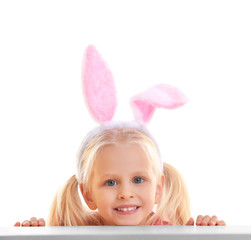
(127, 209)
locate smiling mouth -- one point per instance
(129, 209)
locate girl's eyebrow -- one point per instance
(139, 173)
(115, 176)
(108, 176)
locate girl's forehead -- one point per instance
(121, 147)
(121, 156)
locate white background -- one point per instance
(202, 47)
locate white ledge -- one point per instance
(128, 232)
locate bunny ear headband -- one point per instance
(100, 96)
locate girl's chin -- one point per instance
(128, 222)
(120, 222)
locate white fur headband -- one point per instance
(100, 96)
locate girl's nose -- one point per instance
(125, 193)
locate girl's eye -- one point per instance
(111, 183)
(138, 180)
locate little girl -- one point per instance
(120, 173)
(121, 178)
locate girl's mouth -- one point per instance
(129, 210)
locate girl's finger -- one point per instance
(213, 221)
(34, 222)
(26, 223)
(198, 220)
(190, 222)
(41, 222)
(221, 223)
(205, 221)
(17, 224)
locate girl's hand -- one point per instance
(206, 221)
(209, 221)
(34, 222)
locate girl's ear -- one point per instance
(87, 197)
(159, 96)
(159, 189)
(98, 86)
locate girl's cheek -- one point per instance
(107, 193)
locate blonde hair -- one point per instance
(67, 208)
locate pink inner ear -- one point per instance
(160, 96)
(98, 86)
(144, 111)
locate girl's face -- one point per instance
(124, 188)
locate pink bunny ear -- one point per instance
(160, 96)
(98, 86)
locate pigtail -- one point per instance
(67, 208)
(174, 206)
